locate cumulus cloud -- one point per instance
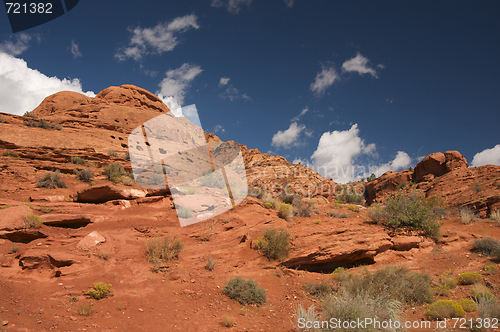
(487, 157)
(219, 128)
(324, 79)
(158, 39)
(233, 6)
(289, 3)
(22, 89)
(290, 137)
(75, 50)
(338, 152)
(223, 81)
(18, 47)
(297, 118)
(174, 86)
(359, 64)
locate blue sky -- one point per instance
(347, 85)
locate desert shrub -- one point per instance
(442, 309)
(84, 175)
(395, 282)
(481, 291)
(303, 209)
(57, 126)
(6, 206)
(165, 250)
(467, 304)
(245, 291)
(51, 180)
(337, 206)
(227, 321)
(469, 278)
(78, 160)
(339, 214)
(184, 212)
(45, 209)
(210, 264)
(14, 248)
(206, 229)
(100, 291)
(212, 180)
(487, 246)
(189, 190)
(349, 195)
(33, 221)
(260, 244)
(114, 171)
(488, 307)
(440, 212)
(467, 215)
(346, 306)
(11, 154)
(44, 124)
(276, 244)
(340, 274)
(377, 213)
(491, 269)
(317, 222)
(103, 255)
(285, 211)
(302, 315)
(495, 216)
(353, 208)
(318, 289)
(2, 120)
(127, 181)
(410, 210)
(30, 115)
(268, 205)
(112, 153)
(371, 178)
(85, 309)
(441, 290)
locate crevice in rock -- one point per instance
(328, 268)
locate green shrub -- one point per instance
(44, 124)
(260, 244)
(30, 123)
(11, 154)
(245, 291)
(84, 175)
(51, 180)
(318, 289)
(165, 250)
(469, 278)
(227, 321)
(100, 291)
(276, 245)
(353, 208)
(442, 309)
(371, 178)
(184, 212)
(340, 274)
(467, 215)
(317, 222)
(480, 291)
(395, 282)
(114, 171)
(350, 196)
(491, 269)
(30, 115)
(376, 213)
(339, 214)
(337, 206)
(78, 160)
(268, 205)
(285, 211)
(442, 290)
(33, 221)
(467, 304)
(487, 246)
(410, 210)
(345, 306)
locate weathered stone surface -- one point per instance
(91, 240)
(52, 199)
(380, 188)
(34, 259)
(22, 235)
(438, 164)
(104, 193)
(13, 218)
(67, 220)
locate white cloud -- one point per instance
(219, 128)
(158, 39)
(290, 137)
(324, 79)
(233, 6)
(297, 118)
(487, 157)
(174, 85)
(22, 89)
(223, 81)
(74, 49)
(289, 3)
(338, 151)
(21, 44)
(359, 64)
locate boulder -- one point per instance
(13, 218)
(91, 240)
(439, 164)
(34, 259)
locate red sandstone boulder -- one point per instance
(438, 164)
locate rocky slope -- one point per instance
(98, 232)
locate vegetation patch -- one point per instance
(157, 250)
(467, 304)
(210, 266)
(481, 291)
(85, 309)
(318, 289)
(184, 212)
(487, 246)
(285, 211)
(491, 269)
(495, 216)
(467, 215)
(275, 244)
(227, 321)
(78, 160)
(51, 180)
(10, 154)
(339, 214)
(32, 221)
(442, 309)
(469, 278)
(245, 291)
(84, 175)
(100, 291)
(114, 171)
